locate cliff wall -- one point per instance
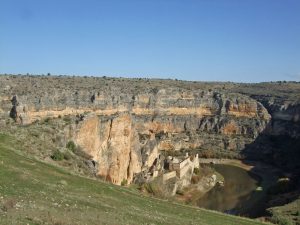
(124, 128)
(279, 144)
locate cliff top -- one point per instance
(37, 85)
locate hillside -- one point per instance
(33, 192)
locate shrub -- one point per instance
(195, 179)
(207, 154)
(67, 119)
(281, 220)
(124, 182)
(179, 192)
(47, 120)
(67, 156)
(196, 171)
(57, 156)
(156, 187)
(71, 146)
(81, 153)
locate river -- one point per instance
(239, 195)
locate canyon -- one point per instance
(125, 132)
(124, 128)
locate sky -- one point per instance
(202, 40)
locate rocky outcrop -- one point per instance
(113, 143)
(279, 144)
(125, 130)
(128, 142)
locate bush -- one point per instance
(67, 156)
(47, 120)
(57, 156)
(281, 220)
(124, 182)
(67, 119)
(179, 192)
(157, 188)
(195, 179)
(207, 154)
(81, 153)
(196, 171)
(71, 146)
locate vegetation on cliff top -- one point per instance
(39, 85)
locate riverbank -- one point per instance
(264, 171)
(266, 175)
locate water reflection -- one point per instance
(237, 195)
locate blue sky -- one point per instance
(208, 40)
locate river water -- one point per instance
(238, 196)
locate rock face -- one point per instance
(125, 130)
(279, 144)
(128, 141)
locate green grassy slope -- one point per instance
(33, 192)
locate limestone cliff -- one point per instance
(279, 144)
(125, 130)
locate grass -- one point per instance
(287, 214)
(33, 192)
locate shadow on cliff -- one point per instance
(274, 157)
